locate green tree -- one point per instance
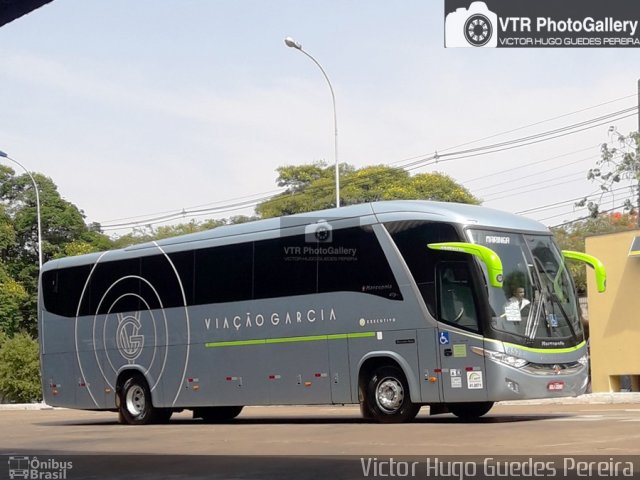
(619, 160)
(148, 234)
(13, 297)
(572, 237)
(20, 369)
(312, 187)
(63, 232)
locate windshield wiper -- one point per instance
(554, 299)
(534, 315)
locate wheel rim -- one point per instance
(135, 400)
(390, 395)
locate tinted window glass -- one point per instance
(457, 304)
(352, 260)
(285, 266)
(223, 274)
(163, 289)
(412, 238)
(184, 263)
(114, 287)
(61, 289)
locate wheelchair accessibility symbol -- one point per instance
(444, 338)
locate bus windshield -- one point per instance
(537, 301)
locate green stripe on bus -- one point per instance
(541, 350)
(309, 338)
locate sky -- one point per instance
(144, 109)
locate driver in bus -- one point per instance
(517, 298)
(516, 307)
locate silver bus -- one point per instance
(390, 305)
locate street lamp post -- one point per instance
(290, 42)
(35, 186)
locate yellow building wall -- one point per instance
(614, 316)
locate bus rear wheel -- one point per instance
(134, 402)
(387, 396)
(217, 414)
(470, 410)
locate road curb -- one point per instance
(587, 399)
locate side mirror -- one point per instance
(593, 262)
(485, 255)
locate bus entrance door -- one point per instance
(462, 374)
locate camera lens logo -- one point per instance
(478, 30)
(472, 27)
(321, 232)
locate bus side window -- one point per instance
(353, 261)
(411, 238)
(457, 305)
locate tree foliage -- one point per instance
(619, 161)
(63, 232)
(312, 187)
(20, 369)
(572, 237)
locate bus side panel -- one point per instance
(59, 379)
(339, 372)
(464, 375)
(299, 373)
(430, 391)
(225, 375)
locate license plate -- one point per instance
(555, 386)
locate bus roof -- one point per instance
(362, 214)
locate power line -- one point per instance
(536, 174)
(499, 172)
(551, 205)
(587, 217)
(437, 158)
(534, 189)
(522, 128)
(261, 195)
(484, 150)
(544, 121)
(611, 198)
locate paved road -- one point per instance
(294, 433)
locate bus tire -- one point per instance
(217, 414)
(365, 408)
(470, 410)
(134, 402)
(388, 396)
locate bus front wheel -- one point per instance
(134, 402)
(387, 396)
(470, 410)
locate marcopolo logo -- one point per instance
(475, 26)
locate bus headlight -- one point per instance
(584, 360)
(503, 358)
